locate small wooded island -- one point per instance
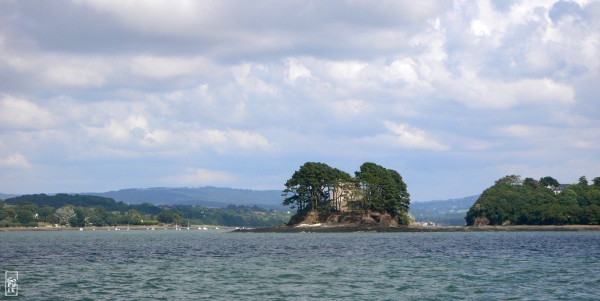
(322, 194)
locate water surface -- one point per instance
(209, 265)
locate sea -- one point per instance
(216, 265)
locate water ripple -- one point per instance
(200, 265)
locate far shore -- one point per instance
(113, 228)
(336, 228)
(375, 228)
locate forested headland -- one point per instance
(94, 211)
(321, 193)
(513, 201)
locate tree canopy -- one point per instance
(311, 186)
(529, 203)
(84, 210)
(549, 181)
(383, 189)
(319, 187)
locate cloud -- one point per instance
(133, 129)
(411, 137)
(202, 176)
(523, 131)
(296, 70)
(248, 78)
(15, 160)
(21, 114)
(476, 92)
(49, 70)
(480, 28)
(156, 17)
(75, 73)
(403, 69)
(233, 140)
(582, 138)
(165, 67)
(350, 108)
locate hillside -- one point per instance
(4, 196)
(443, 212)
(85, 210)
(215, 197)
(62, 199)
(512, 201)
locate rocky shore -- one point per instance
(323, 228)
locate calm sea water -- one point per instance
(206, 265)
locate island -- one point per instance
(513, 201)
(375, 196)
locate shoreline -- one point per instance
(121, 228)
(351, 228)
(378, 229)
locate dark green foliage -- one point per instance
(384, 190)
(531, 183)
(403, 218)
(549, 182)
(319, 187)
(61, 199)
(168, 217)
(26, 214)
(148, 208)
(231, 216)
(531, 204)
(509, 180)
(79, 219)
(311, 187)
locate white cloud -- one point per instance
(57, 69)
(15, 160)
(232, 140)
(18, 113)
(476, 92)
(524, 131)
(411, 137)
(134, 129)
(166, 67)
(346, 70)
(248, 78)
(79, 73)
(573, 138)
(297, 70)
(350, 108)
(403, 69)
(202, 176)
(479, 28)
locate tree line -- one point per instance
(534, 202)
(85, 211)
(317, 187)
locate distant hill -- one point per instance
(4, 196)
(205, 196)
(444, 212)
(61, 199)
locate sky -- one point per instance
(102, 95)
